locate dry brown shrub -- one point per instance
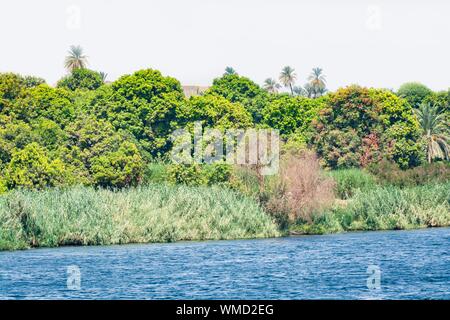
(302, 189)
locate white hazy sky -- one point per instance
(372, 43)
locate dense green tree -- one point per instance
(145, 105)
(120, 168)
(240, 89)
(292, 114)
(414, 93)
(56, 104)
(215, 111)
(99, 155)
(11, 86)
(360, 126)
(81, 79)
(31, 81)
(31, 168)
(14, 136)
(48, 133)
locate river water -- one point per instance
(364, 265)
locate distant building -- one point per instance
(194, 90)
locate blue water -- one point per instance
(412, 265)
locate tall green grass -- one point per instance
(154, 213)
(387, 208)
(351, 181)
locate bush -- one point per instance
(292, 114)
(43, 101)
(238, 89)
(302, 189)
(32, 168)
(145, 104)
(414, 92)
(155, 173)
(200, 174)
(81, 78)
(214, 111)
(351, 181)
(360, 126)
(390, 174)
(96, 154)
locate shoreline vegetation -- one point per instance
(154, 213)
(88, 161)
(158, 213)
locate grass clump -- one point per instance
(350, 181)
(154, 213)
(387, 208)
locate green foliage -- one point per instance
(44, 101)
(351, 181)
(31, 168)
(85, 132)
(242, 90)
(200, 174)
(84, 79)
(98, 155)
(292, 114)
(188, 174)
(11, 86)
(435, 131)
(48, 133)
(155, 213)
(120, 168)
(14, 136)
(387, 208)
(414, 92)
(3, 186)
(388, 173)
(145, 104)
(360, 126)
(31, 81)
(214, 111)
(155, 172)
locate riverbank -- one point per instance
(154, 213)
(169, 213)
(384, 208)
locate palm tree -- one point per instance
(229, 70)
(76, 59)
(309, 90)
(271, 85)
(299, 91)
(435, 131)
(318, 82)
(287, 77)
(104, 75)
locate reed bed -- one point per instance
(153, 213)
(387, 208)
